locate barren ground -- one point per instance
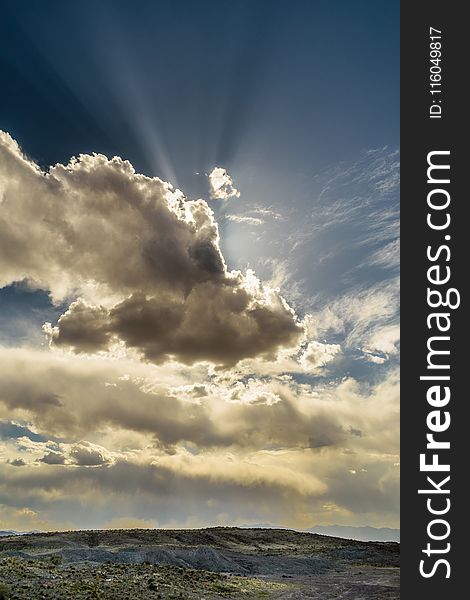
(200, 564)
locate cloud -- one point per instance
(193, 394)
(24, 518)
(385, 340)
(195, 449)
(17, 462)
(184, 490)
(99, 395)
(244, 413)
(295, 488)
(151, 491)
(387, 257)
(141, 264)
(221, 185)
(317, 355)
(258, 215)
(367, 318)
(53, 458)
(129, 523)
(246, 220)
(86, 454)
(218, 323)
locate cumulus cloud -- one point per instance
(221, 185)
(218, 323)
(141, 264)
(317, 355)
(384, 341)
(24, 518)
(89, 455)
(53, 458)
(17, 462)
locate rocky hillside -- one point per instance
(210, 563)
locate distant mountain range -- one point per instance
(363, 534)
(12, 532)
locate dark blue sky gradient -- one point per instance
(291, 83)
(276, 92)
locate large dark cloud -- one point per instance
(143, 263)
(218, 322)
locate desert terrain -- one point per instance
(205, 564)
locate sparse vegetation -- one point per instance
(5, 591)
(209, 564)
(35, 579)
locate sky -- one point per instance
(199, 251)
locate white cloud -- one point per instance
(90, 455)
(317, 355)
(360, 316)
(221, 185)
(388, 256)
(384, 341)
(254, 216)
(244, 219)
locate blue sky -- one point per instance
(299, 102)
(206, 82)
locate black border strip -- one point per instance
(421, 135)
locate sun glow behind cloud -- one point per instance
(134, 413)
(235, 407)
